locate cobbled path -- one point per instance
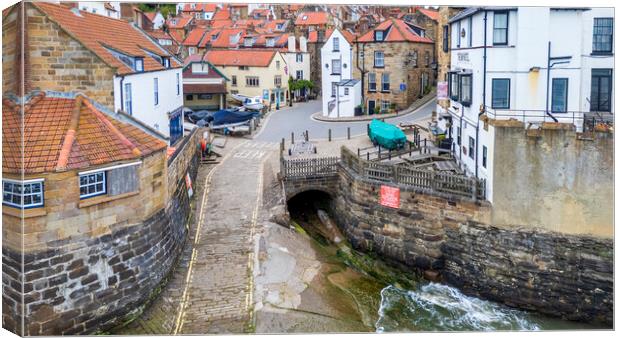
(211, 288)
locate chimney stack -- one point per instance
(291, 43)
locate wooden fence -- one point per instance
(309, 167)
(428, 180)
(425, 180)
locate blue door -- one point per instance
(176, 128)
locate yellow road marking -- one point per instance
(205, 196)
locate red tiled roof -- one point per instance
(252, 58)
(311, 18)
(313, 36)
(430, 13)
(222, 14)
(223, 40)
(200, 7)
(58, 136)
(194, 37)
(176, 35)
(399, 31)
(221, 23)
(260, 12)
(179, 22)
(210, 88)
(150, 15)
(96, 31)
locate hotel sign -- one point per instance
(463, 57)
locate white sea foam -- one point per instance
(438, 307)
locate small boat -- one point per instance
(228, 118)
(249, 102)
(387, 135)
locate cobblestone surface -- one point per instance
(211, 289)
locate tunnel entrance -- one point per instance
(310, 210)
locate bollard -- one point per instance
(348, 133)
(292, 137)
(329, 136)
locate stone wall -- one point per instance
(395, 55)
(55, 60)
(89, 282)
(450, 239)
(559, 275)
(553, 178)
(184, 158)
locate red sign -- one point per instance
(390, 197)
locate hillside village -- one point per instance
(173, 168)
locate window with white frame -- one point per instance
(22, 194)
(379, 35)
(299, 57)
(472, 146)
(385, 105)
(127, 95)
(92, 184)
(379, 59)
(277, 80)
(334, 89)
(336, 67)
(385, 82)
(346, 91)
(336, 44)
(156, 90)
(372, 82)
(299, 74)
(271, 42)
(139, 65)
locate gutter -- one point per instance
(484, 91)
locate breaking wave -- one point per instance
(438, 307)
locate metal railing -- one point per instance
(583, 121)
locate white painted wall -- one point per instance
(327, 55)
(143, 98)
(529, 31)
(158, 21)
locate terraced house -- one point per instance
(254, 73)
(394, 61)
(110, 60)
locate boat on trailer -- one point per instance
(249, 102)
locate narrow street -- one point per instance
(210, 290)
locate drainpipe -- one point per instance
(484, 91)
(122, 101)
(362, 69)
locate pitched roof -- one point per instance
(223, 39)
(96, 32)
(430, 13)
(313, 36)
(311, 18)
(150, 15)
(200, 7)
(221, 23)
(179, 22)
(194, 37)
(222, 14)
(245, 57)
(64, 133)
(397, 31)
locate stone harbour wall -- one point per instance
(451, 240)
(559, 275)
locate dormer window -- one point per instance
(166, 62)
(379, 35)
(248, 42)
(304, 18)
(173, 22)
(270, 42)
(279, 26)
(139, 65)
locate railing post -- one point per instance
(307, 137)
(292, 137)
(329, 135)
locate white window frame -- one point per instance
(384, 83)
(346, 92)
(127, 98)
(337, 62)
(299, 74)
(374, 87)
(384, 105)
(336, 44)
(382, 58)
(21, 194)
(299, 58)
(89, 184)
